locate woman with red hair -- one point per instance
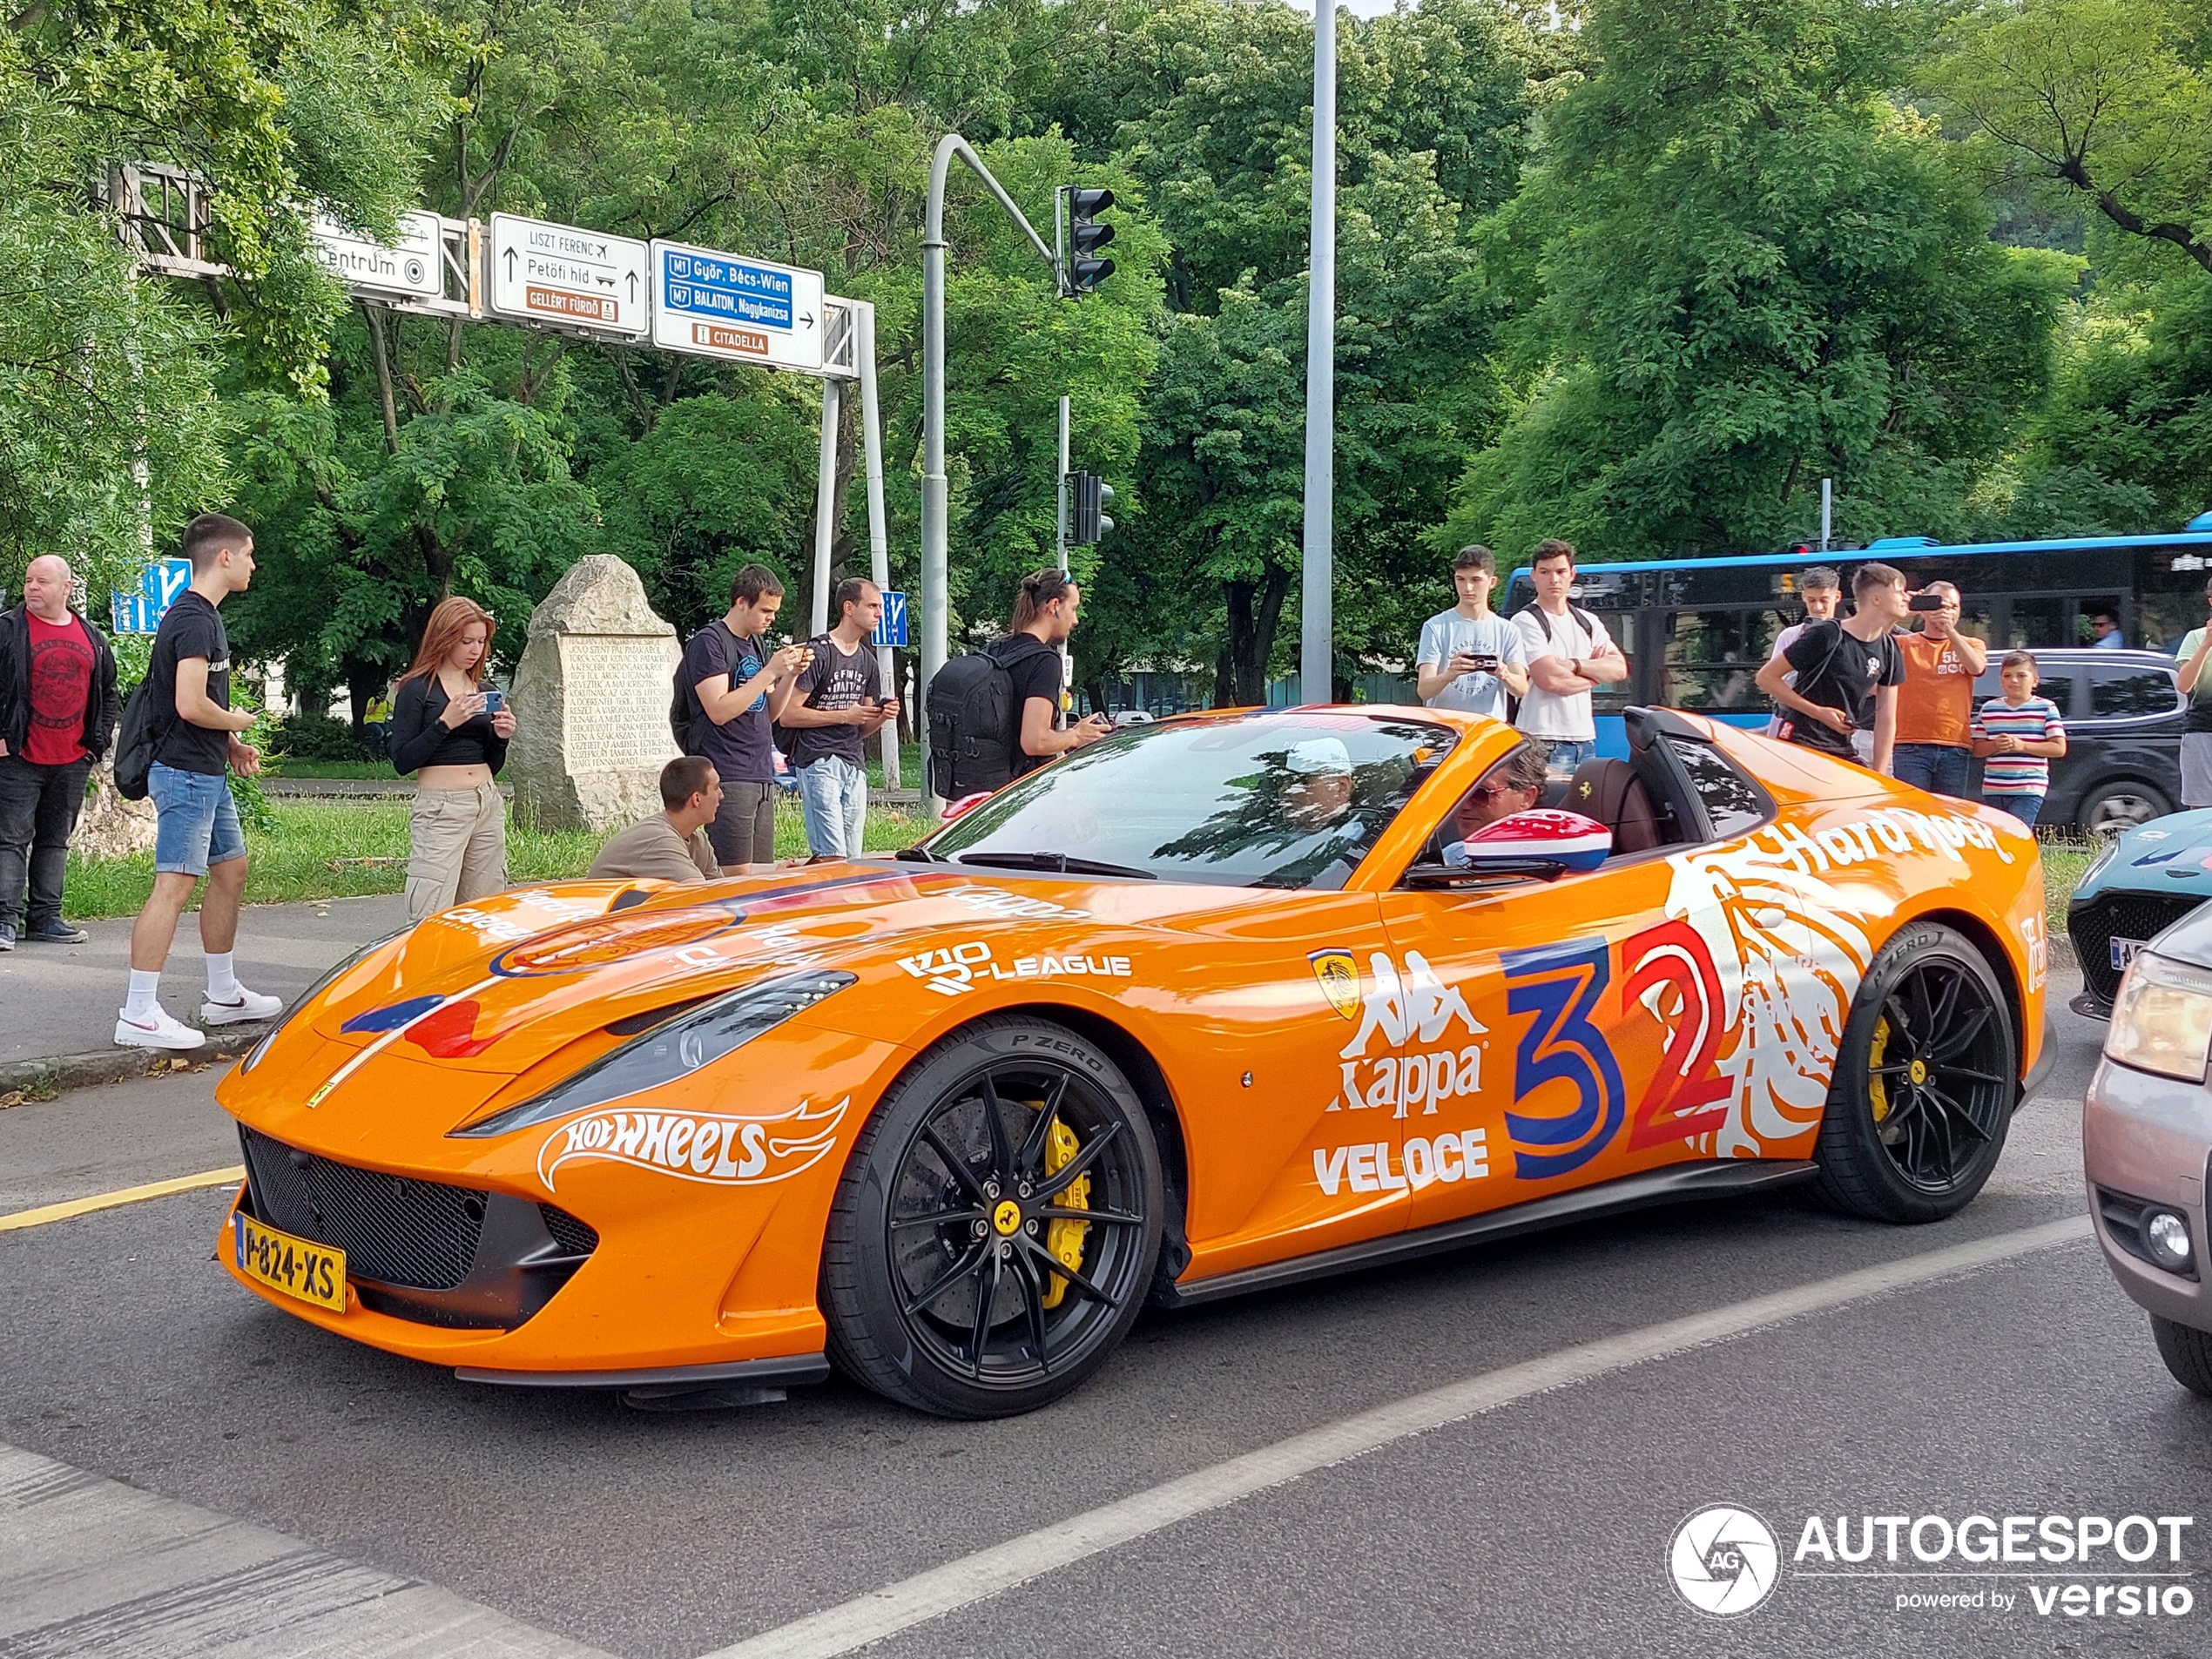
(450, 729)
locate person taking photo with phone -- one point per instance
(2196, 685)
(1470, 658)
(1935, 707)
(838, 705)
(1843, 698)
(449, 728)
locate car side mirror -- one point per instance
(1544, 835)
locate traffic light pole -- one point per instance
(936, 611)
(1317, 620)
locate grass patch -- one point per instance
(295, 861)
(379, 770)
(2066, 857)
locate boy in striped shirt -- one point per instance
(2018, 735)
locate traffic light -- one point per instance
(1088, 495)
(1081, 272)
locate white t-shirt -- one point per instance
(1545, 714)
(1446, 634)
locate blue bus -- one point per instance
(1697, 630)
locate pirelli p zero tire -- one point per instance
(2187, 1352)
(1925, 1082)
(994, 1233)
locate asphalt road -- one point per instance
(535, 1523)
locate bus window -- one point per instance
(1712, 656)
(2119, 691)
(2041, 622)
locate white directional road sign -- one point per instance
(566, 278)
(717, 305)
(409, 267)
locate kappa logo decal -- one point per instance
(727, 1152)
(1416, 1010)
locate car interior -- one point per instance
(1675, 789)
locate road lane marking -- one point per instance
(88, 1566)
(46, 1213)
(962, 1584)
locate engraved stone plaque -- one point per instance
(590, 703)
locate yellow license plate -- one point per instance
(296, 1267)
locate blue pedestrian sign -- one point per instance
(719, 305)
(160, 584)
(891, 630)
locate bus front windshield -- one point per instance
(1293, 800)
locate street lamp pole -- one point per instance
(935, 609)
(1317, 619)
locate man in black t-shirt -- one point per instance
(1843, 700)
(188, 687)
(837, 706)
(1044, 611)
(740, 687)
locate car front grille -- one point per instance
(395, 1230)
(2093, 926)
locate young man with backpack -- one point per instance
(837, 706)
(1841, 699)
(1570, 655)
(729, 693)
(193, 729)
(994, 714)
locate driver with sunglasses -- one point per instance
(1514, 785)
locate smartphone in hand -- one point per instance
(1924, 602)
(495, 699)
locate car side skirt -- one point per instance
(785, 1370)
(1679, 1183)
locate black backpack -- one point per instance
(140, 736)
(683, 710)
(975, 729)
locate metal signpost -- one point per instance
(560, 277)
(1317, 590)
(717, 305)
(160, 585)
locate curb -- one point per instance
(114, 1065)
(2059, 954)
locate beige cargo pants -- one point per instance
(457, 846)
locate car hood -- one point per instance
(2167, 855)
(499, 986)
(2189, 940)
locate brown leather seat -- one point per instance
(1610, 792)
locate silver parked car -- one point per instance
(2147, 1141)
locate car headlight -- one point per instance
(2097, 864)
(253, 1054)
(667, 1052)
(2162, 1020)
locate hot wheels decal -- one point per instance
(735, 1151)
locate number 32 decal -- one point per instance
(1562, 987)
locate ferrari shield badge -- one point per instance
(1338, 971)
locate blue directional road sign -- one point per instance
(892, 629)
(160, 586)
(717, 305)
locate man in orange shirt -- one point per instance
(1935, 707)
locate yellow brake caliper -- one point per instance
(1065, 1239)
(1877, 1092)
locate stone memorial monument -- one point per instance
(590, 702)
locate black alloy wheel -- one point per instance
(994, 1234)
(1924, 1083)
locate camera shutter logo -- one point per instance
(1724, 1561)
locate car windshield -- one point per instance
(1271, 800)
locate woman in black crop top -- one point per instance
(443, 731)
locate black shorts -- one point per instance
(743, 831)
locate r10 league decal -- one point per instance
(746, 1151)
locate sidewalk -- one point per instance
(57, 1002)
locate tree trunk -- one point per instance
(376, 315)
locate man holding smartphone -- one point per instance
(1935, 707)
(837, 705)
(1837, 684)
(1470, 658)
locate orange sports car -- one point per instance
(1221, 1003)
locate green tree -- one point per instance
(1740, 267)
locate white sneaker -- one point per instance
(156, 1030)
(249, 1005)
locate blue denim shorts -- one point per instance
(197, 823)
